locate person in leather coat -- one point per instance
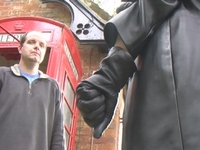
(162, 110)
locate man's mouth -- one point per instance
(35, 53)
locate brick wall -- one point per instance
(90, 55)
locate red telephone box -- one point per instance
(62, 60)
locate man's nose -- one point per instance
(37, 46)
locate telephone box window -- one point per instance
(67, 137)
(68, 114)
(69, 92)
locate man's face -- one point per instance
(34, 47)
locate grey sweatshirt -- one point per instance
(30, 114)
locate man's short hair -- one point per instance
(23, 39)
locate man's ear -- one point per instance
(19, 49)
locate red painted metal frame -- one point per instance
(60, 34)
(71, 45)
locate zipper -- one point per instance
(29, 88)
(30, 85)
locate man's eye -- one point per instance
(31, 41)
(42, 45)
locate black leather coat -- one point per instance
(162, 109)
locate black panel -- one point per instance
(85, 25)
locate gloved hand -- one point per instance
(96, 108)
(97, 95)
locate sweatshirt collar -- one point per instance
(16, 71)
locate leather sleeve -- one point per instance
(138, 22)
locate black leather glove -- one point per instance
(97, 95)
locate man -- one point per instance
(30, 101)
(162, 106)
